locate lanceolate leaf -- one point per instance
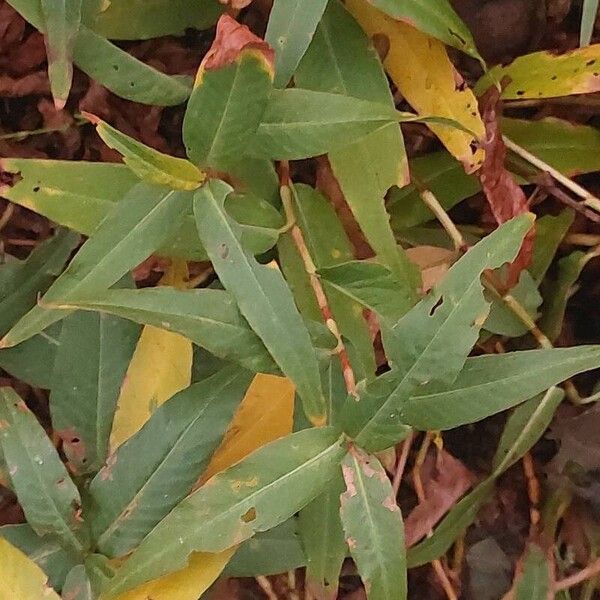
(535, 582)
(342, 60)
(495, 382)
(21, 282)
(134, 229)
(140, 19)
(45, 552)
(77, 585)
(290, 29)
(49, 498)
(210, 318)
(155, 469)
(302, 123)
(373, 526)
(62, 19)
(430, 344)
(435, 17)
(230, 95)
(547, 75)
(93, 354)
(258, 493)
(423, 73)
(262, 296)
(320, 530)
(21, 578)
(149, 164)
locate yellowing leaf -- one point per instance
(160, 367)
(21, 578)
(419, 66)
(265, 414)
(188, 584)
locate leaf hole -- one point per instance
(9, 179)
(249, 515)
(436, 306)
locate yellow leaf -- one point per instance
(265, 414)
(419, 66)
(160, 367)
(21, 578)
(188, 584)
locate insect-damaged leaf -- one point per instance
(546, 75)
(101, 346)
(341, 60)
(434, 17)
(430, 344)
(230, 95)
(256, 494)
(66, 192)
(149, 164)
(373, 526)
(161, 366)
(62, 19)
(134, 229)
(423, 73)
(210, 318)
(290, 29)
(152, 19)
(21, 578)
(21, 282)
(47, 494)
(263, 297)
(77, 585)
(157, 467)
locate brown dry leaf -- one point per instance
(505, 197)
(433, 262)
(445, 480)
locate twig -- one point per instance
(533, 492)
(401, 464)
(6, 215)
(545, 180)
(588, 572)
(588, 198)
(442, 216)
(266, 587)
(200, 278)
(287, 194)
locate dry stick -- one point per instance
(586, 573)
(533, 492)
(588, 198)
(401, 464)
(286, 192)
(266, 587)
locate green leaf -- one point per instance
(21, 282)
(371, 285)
(44, 551)
(262, 295)
(430, 344)
(33, 360)
(156, 468)
(144, 19)
(588, 19)
(101, 346)
(258, 493)
(210, 318)
(328, 244)
(522, 430)
(277, 550)
(66, 192)
(77, 585)
(572, 149)
(557, 292)
(49, 498)
(373, 526)
(320, 529)
(302, 123)
(134, 229)
(148, 164)
(290, 29)
(62, 19)
(342, 60)
(225, 109)
(547, 75)
(494, 382)
(535, 582)
(434, 17)
(549, 233)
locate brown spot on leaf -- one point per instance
(351, 543)
(348, 473)
(106, 471)
(391, 504)
(73, 446)
(249, 515)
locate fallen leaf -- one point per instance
(445, 479)
(433, 262)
